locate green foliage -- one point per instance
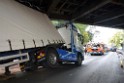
(59, 23)
(55, 22)
(90, 35)
(82, 28)
(117, 38)
(87, 35)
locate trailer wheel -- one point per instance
(52, 58)
(79, 60)
(32, 64)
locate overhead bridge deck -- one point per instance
(108, 13)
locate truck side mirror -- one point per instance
(82, 41)
(81, 38)
(121, 44)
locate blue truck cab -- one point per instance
(73, 44)
(71, 50)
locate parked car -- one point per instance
(113, 49)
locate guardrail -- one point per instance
(16, 59)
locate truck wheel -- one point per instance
(52, 58)
(79, 60)
(32, 64)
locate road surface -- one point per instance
(95, 69)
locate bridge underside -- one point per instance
(109, 13)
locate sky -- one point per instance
(104, 34)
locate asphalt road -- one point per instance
(95, 69)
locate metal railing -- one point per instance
(16, 59)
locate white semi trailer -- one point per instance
(28, 38)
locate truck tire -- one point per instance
(32, 64)
(52, 58)
(79, 60)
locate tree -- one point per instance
(90, 35)
(86, 34)
(81, 27)
(86, 37)
(117, 39)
